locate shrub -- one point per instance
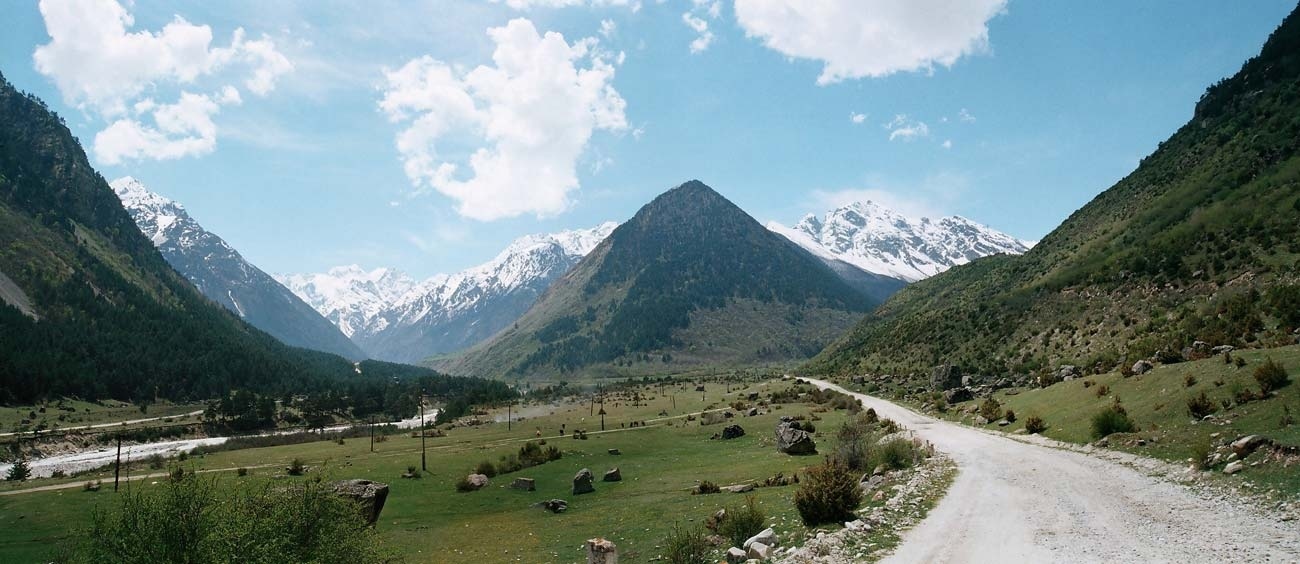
(687, 545)
(1239, 362)
(1102, 390)
(19, 472)
(486, 468)
(1010, 416)
(1035, 425)
(742, 522)
(808, 427)
(1111, 420)
(156, 461)
(296, 467)
(1200, 406)
(1287, 418)
(1201, 451)
(463, 485)
(870, 416)
(176, 474)
(707, 487)
(990, 409)
(241, 472)
(895, 454)
(828, 493)
(189, 521)
(1189, 380)
(1271, 376)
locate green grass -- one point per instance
(427, 520)
(65, 413)
(1157, 402)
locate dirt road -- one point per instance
(1027, 501)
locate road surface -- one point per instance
(1027, 501)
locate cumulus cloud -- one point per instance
(947, 143)
(100, 66)
(694, 19)
(857, 118)
(870, 38)
(530, 116)
(608, 28)
(905, 128)
(634, 5)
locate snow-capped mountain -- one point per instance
(222, 274)
(393, 318)
(882, 241)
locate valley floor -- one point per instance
(1026, 500)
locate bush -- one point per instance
(1189, 380)
(188, 521)
(1010, 416)
(1271, 376)
(829, 493)
(707, 487)
(687, 545)
(1111, 420)
(1102, 391)
(1201, 451)
(19, 472)
(895, 454)
(241, 472)
(854, 443)
(870, 415)
(990, 409)
(486, 468)
(296, 467)
(742, 522)
(1200, 406)
(1035, 425)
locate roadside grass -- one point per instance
(1157, 402)
(427, 520)
(63, 413)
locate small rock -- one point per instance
(758, 551)
(1234, 467)
(612, 475)
(736, 556)
(740, 488)
(1142, 367)
(615, 451)
(553, 505)
(732, 432)
(766, 536)
(582, 482)
(477, 481)
(880, 496)
(1244, 446)
(525, 484)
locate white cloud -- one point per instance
(870, 38)
(100, 66)
(965, 116)
(701, 27)
(634, 5)
(180, 130)
(857, 118)
(947, 143)
(608, 28)
(905, 128)
(530, 116)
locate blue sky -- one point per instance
(284, 139)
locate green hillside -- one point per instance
(690, 280)
(1199, 243)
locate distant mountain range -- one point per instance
(392, 317)
(690, 280)
(1199, 243)
(222, 274)
(882, 241)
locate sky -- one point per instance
(425, 136)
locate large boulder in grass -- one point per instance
(732, 432)
(1142, 367)
(582, 482)
(945, 377)
(613, 475)
(1244, 446)
(477, 481)
(792, 440)
(370, 496)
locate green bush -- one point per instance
(829, 493)
(895, 454)
(1271, 376)
(188, 521)
(707, 487)
(742, 522)
(1010, 416)
(486, 468)
(463, 485)
(1200, 406)
(19, 471)
(687, 545)
(1035, 425)
(1111, 420)
(990, 409)
(296, 468)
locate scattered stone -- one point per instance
(1142, 367)
(370, 496)
(980, 420)
(740, 488)
(1234, 467)
(1244, 446)
(582, 482)
(601, 551)
(869, 483)
(766, 536)
(1201, 346)
(958, 395)
(553, 505)
(477, 481)
(794, 441)
(1067, 372)
(525, 484)
(880, 496)
(732, 432)
(758, 551)
(612, 475)
(945, 377)
(1223, 349)
(736, 556)
(753, 411)
(615, 451)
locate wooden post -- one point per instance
(372, 434)
(424, 465)
(509, 407)
(117, 468)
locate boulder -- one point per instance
(1201, 347)
(1244, 446)
(794, 441)
(880, 496)
(370, 496)
(1234, 467)
(980, 420)
(870, 483)
(758, 551)
(553, 505)
(612, 475)
(1067, 372)
(525, 484)
(740, 488)
(766, 536)
(615, 452)
(732, 432)
(1142, 367)
(945, 377)
(582, 482)
(601, 551)
(957, 395)
(477, 480)
(753, 411)
(736, 556)
(1223, 349)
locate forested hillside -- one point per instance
(1200, 243)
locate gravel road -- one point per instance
(1027, 500)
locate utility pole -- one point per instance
(424, 466)
(117, 468)
(509, 418)
(372, 433)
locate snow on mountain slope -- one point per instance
(222, 274)
(882, 241)
(393, 318)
